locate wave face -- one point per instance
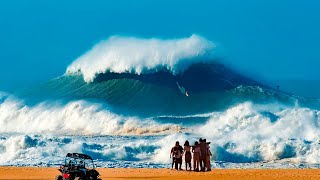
(202, 88)
(127, 101)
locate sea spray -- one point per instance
(136, 55)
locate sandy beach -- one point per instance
(130, 173)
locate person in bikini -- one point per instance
(196, 156)
(172, 156)
(187, 155)
(208, 157)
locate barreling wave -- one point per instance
(135, 55)
(154, 77)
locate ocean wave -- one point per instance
(251, 133)
(210, 87)
(255, 133)
(137, 55)
(145, 151)
(76, 117)
(244, 133)
(49, 150)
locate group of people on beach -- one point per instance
(200, 154)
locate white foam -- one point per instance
(245, 130)
(48, 150)
(243, 133)
(137, 55)
(77, 117)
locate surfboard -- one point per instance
(182, 89)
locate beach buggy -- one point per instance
(78, 166)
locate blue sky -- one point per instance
(274, 39)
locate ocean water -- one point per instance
(127, 100)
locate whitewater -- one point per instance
(134, 55)
(119, 103)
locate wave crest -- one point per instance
(136, 55)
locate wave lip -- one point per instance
(136, 55)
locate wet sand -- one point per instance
(130, 173)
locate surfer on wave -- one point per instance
(182, 89)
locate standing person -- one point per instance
(178, 151)
(196, 156)
(208, 158)
(172, 156)
(187, 154)
(203, 149)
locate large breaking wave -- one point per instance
(135, 55)
(126, 102)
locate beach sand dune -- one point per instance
(131, 173)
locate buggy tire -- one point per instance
(59, 177)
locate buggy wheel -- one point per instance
(59, 177)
